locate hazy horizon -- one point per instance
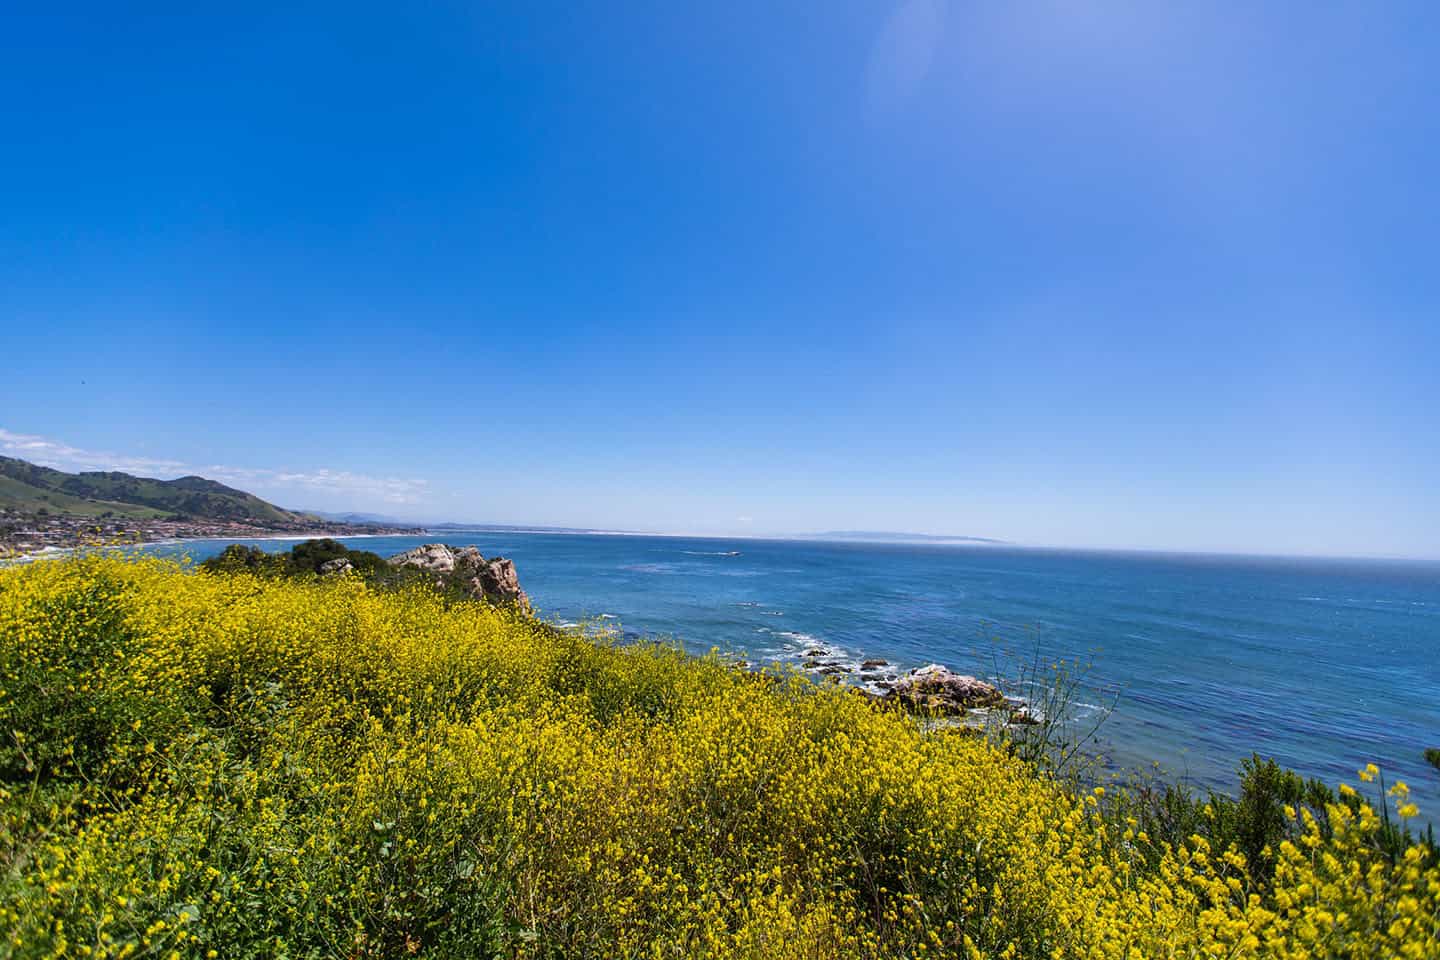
(58, 456)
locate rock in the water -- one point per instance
(874, 664)
(336, 567)
(935, 689)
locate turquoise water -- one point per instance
(1323, 664)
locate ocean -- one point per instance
(1324, 665)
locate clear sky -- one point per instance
(1126, 274)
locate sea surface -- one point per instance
(1325, 665)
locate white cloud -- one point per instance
(53, 453)
(61, 456)
(389, 489)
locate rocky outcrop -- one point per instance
(336, 567)
(468, 570)
(434, 557)
(935, 689)
(496, 581)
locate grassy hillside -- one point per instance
(226, 766)
(28, 487)
(19, 495)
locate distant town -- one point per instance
(23, 534)
(46, 509)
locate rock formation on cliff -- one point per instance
(468, 570)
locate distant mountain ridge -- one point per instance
(30, 488)
(370, 519)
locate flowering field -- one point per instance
(226, 766)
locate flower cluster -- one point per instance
(227, 766)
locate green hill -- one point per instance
(30, 488)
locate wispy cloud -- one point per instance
(389, 489)
(53, 453)
(62, 456)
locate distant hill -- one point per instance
(370, 519)
(30, 488)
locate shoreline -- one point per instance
(1139, 734)
(288, 536)
(50, 551)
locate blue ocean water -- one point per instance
(1325, 665)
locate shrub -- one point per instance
(250, 766)
(310, 556)
(238, 558)
(303, 559)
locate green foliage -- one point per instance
(306, 559)
(1256, 821)
(1432, 756)
(310, 556)
(1057, 738)
(256, 765)
(239, 558)
(303, 559)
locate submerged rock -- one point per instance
(935, 689)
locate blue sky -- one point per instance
(1108, 274)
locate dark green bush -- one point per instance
(1255, 821)
(303, 559)
(238, 558)
(310, 556)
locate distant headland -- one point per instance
(42, 508)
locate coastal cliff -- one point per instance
(45, 509)
(453, 571)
